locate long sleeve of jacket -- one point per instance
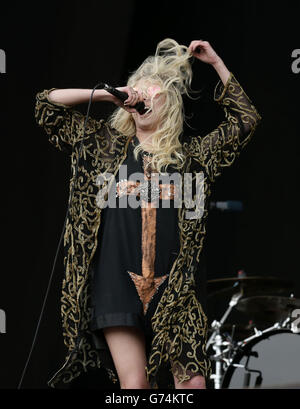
(223, 145)
(62, 123)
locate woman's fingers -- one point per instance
(196, 46)
(203, 51)
(134, 96)
(192, 46)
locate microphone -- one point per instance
(140, 106)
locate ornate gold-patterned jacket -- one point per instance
(179, 317)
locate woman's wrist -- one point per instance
(221, 69)
(218, 62)
(101, 95)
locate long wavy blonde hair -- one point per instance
(170, 69)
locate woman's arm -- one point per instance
(74, 96)
(63, 124)
(223, 145)
(203, 51)
(222, 70)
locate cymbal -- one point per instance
(250, 285)
(267, 303)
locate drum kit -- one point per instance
(265, 353)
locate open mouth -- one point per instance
(147, 111)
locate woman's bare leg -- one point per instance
(128, 350)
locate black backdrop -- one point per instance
(78, 44)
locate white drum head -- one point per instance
(278, 360)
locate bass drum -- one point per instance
(275, 358)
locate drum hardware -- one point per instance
(218, 342)
(258, 333)
(216, 325)
(247, 376)
(230, 355)
(226, 352)
(285, 324)
(236, 332)
(224, 357)
(275, 358)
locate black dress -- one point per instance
(136, 249)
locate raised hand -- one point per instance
(204, 52)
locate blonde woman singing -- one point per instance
(130, 299)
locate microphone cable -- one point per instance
(100, 85)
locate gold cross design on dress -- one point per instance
(146, 284)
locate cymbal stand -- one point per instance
(217, 341)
